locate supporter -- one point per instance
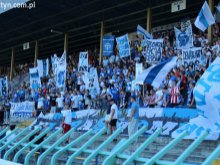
(75, 101)
(174, 94)
(46, 104)
(6, 108)
(133, 119)
(152, 99)
(40, 104)
(159, 97)
(53, 98)
(113, 116)
(166, 97)
(191, 99)
(67, 120)
(59, 102)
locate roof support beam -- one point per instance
(36, 53)
(66, 39)
(101, 44)
(12, 63)
(210, 29)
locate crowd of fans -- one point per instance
(115, 77)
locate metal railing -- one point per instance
(22, 145)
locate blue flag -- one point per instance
(123, 46)
(108, 44)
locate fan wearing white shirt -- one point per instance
(113, 116)
(75, 102)
(59, 102)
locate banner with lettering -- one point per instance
(22, 111)
(184, 39)
(43, 67)
(170, 119)
(123, 46)
(191, 57)
(83, 62)
(108, 44)
(35, 82)
(152, 50)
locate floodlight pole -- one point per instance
(149, 16)
(101, 44)
(12, 63)
(36, 53)
(210, 29)
(66, 41)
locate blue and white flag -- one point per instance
(184, 39)
(58, 61)
(62, 59)
(157, 73)
(207, 98)
(123, 46)
(142, 31)
(35, 82)
(205, 18)
(83, 65)
(192, 57)
(43, 67)
(217, 14)
(152, 50)
(108, 45)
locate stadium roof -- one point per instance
(81, 18)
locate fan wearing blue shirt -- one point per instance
(134, 116)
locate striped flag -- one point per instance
(142, 31)
(217, 14)
(205, 18)
(156, 73)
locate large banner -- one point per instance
(207, 97)
(34, 78)
(191, 57)
(108, 45)
(184, 39)
(123, 46)
(21, 112)
(152, 50)
(43, 67)
(83, 62)
(4, 86)
(170, 119)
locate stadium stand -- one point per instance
(82, 82)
